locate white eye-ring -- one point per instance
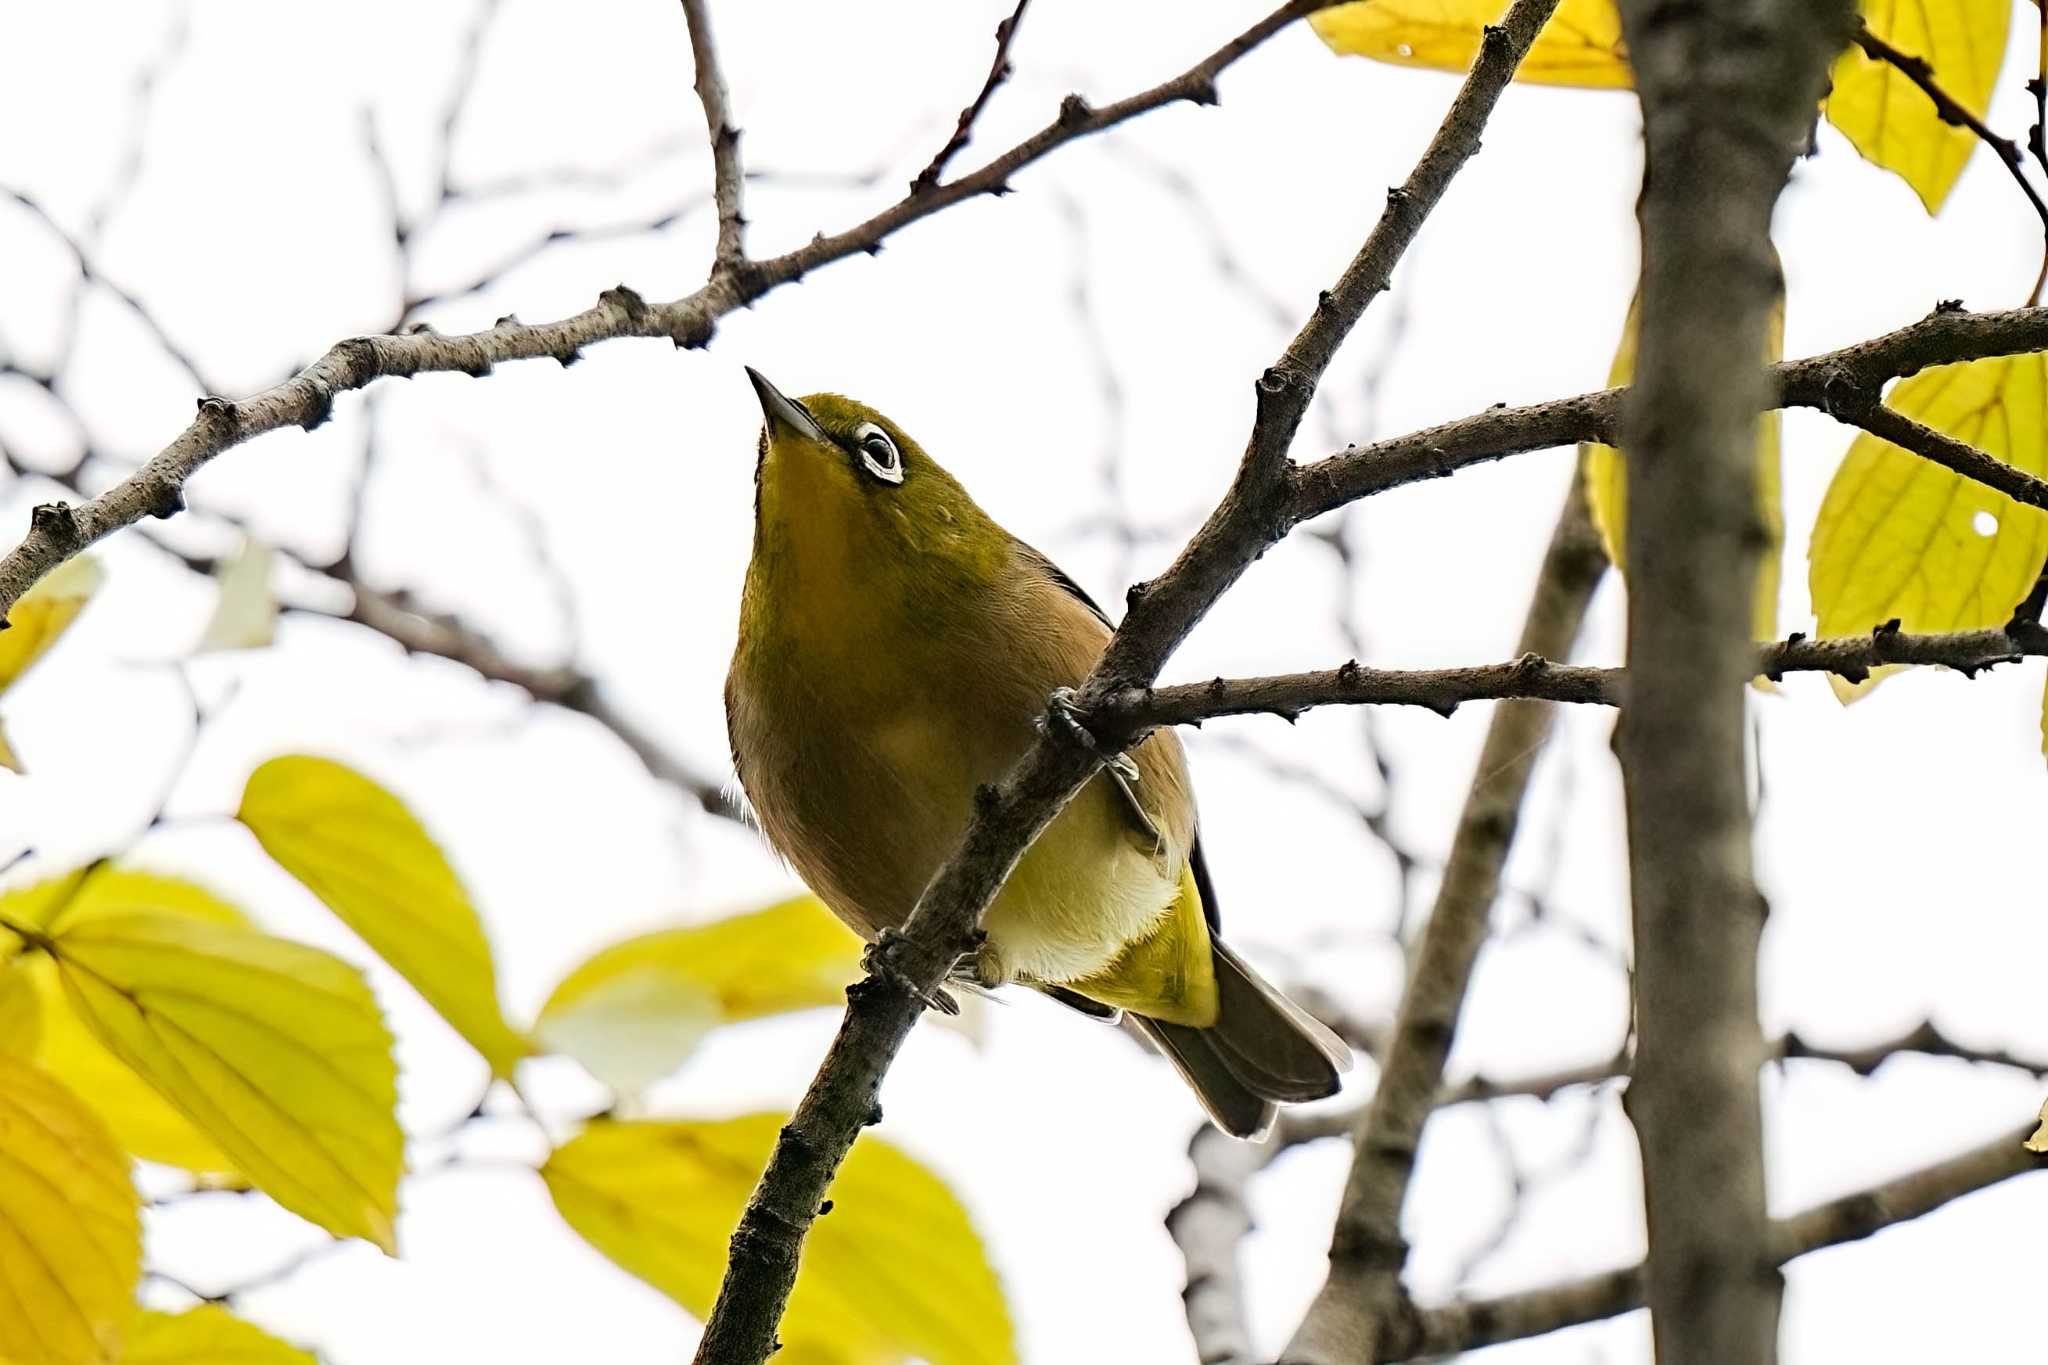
(879, 453)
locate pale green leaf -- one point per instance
(1902, 538)
(70, 1226)
(275, 1050)
(245, 612)
(636, 1010)
(207, 1335)
(894, 1272)
(356, 847)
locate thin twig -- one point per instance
(998, 72)
(1362, 1294)
(1953, 112)
(1918, 438)
(728, 178)
(1457, 1327)
(59, 531)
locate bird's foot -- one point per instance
(1064, 712)
(880, 960)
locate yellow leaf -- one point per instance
(1899, 537)
(207, 1335)
(894, 1271)
(21, 1012)
(275, 1050)
(1581, 45)
(143, 1122)
(44, 613)
(70, 1229)
(1890, 120)
(100, 891)
(245, 614)
(636, 1010)
(1606, 476)
(357, 848)
(2038, 1142)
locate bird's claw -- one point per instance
(1064, 710)
(879, 960)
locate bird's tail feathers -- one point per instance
(1263, 1050)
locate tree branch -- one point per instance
(1846, 384)
(1457, 1327)
(59, 531)
(1533, 677)
(1208, 1226)
(1362, 1295)
(727, 177)
(998, 72)
(905, 968)
(1940, 448)
(1728, 92)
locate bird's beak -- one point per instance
(783, 412)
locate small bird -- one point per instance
(896, 648)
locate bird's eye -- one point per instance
(878, 452)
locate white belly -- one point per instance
(1082, 892)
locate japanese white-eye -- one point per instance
(895, 648)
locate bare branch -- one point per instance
(1844, 384)
(1533, 677)
(998, 72)
(1468, 1326)
(59, 531)
(728, 179)
(1208, 1226)
(1362, 1296)
(905, 968)
(1728, 93)
(1945, 450)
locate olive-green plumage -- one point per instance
(896, 646)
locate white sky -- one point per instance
(1893, 836)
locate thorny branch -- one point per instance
(906, 968)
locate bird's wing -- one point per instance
(1140, 817)
(1060, 576)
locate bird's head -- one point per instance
(842, 486)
